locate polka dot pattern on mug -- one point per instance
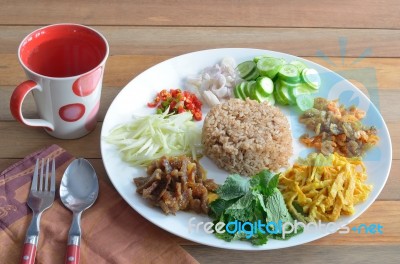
(86, 84)
(72, 112)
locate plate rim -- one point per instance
(264, 247)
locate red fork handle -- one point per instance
(73, 254)
(28, 254)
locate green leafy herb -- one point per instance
(246, 202)
(235, 186)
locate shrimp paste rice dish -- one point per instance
(246, 137)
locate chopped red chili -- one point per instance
(177, 101)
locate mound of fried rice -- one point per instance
(246, 137)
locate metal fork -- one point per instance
(40, 198)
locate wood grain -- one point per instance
(301, 13)
(120, 69)
(171, 41)
(307, 254)
(358, 39)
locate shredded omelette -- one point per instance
(324, 187)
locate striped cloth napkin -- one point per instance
(112, 231)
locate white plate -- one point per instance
(171, 74)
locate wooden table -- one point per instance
(345, 36)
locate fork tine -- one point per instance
(46, 182)
(53, 176)
(35, 177)
(41, 176)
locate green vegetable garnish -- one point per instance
(277, 81)
(251, 200)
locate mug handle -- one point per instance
(16, 100)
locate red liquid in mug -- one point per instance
(63, 51)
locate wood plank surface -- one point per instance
(260, 13)
(120, 69)
(171, 41)
(309, 254)
(358, 39)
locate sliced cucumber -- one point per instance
(239, 90)
(299, 65)
(269, 66)
(262, 98)
(304, 102)
(301, 89)
(279, 99)
(265, 86)
(271, 99)
(247, 89)
(289, 73)
(257, 58)
(253, 88)
(311, 78)
(242, 87)
(285, 92)
(236, 91)
(246, 68)
(253, 75)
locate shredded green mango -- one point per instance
(150, 137)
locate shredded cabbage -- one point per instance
(150, 137)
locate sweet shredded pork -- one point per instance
(176, 183)
(337, 129)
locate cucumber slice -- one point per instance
(257, 58)
(253, 88)
(311, 78)
(265, 86)
(246, 68)
(304, 102)
(236, 91)
(269, 66)
(279, 99)
(282, 61)
(299, 65)
(289, 73)
(302, 89)
(253, 75)
(270, 99)
(286, 93)
(262, 98)
(239, 90)
(247, 89)
(242, 87)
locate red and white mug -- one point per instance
(64, 64)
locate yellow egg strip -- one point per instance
(324, 187)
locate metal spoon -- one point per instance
(78, 191)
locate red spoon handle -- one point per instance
(72, 256)
(28, 254)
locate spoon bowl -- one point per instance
(78, 191)
(79, 186)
